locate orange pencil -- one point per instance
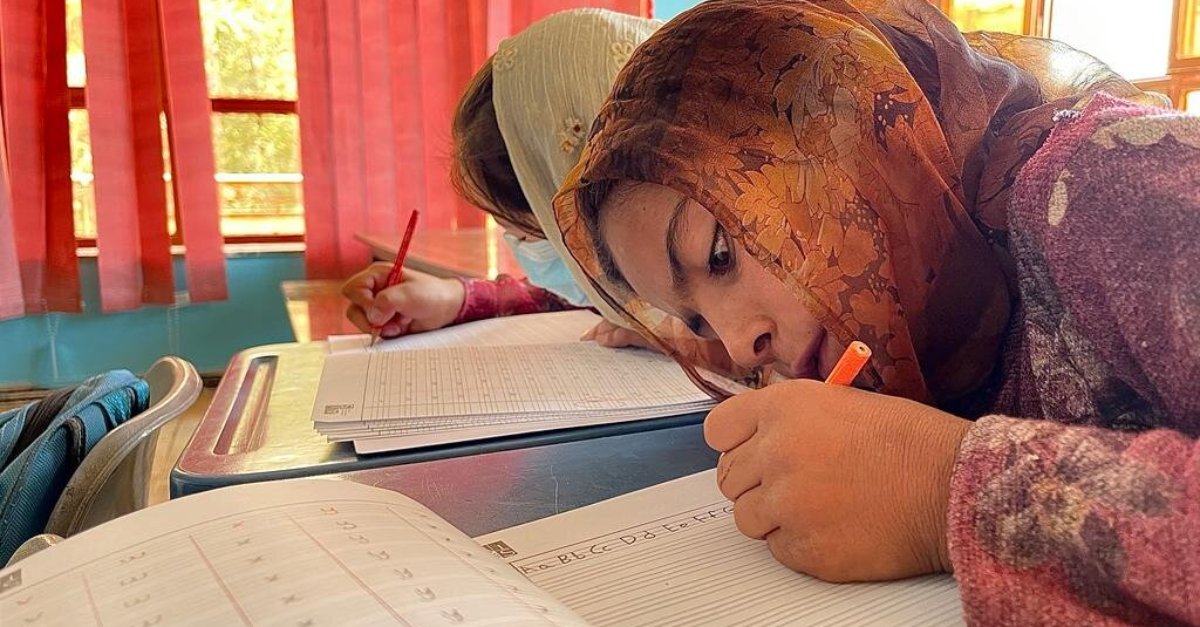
(397, 271)
(850, 364)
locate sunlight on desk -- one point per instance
(316, 309)
(474, 252)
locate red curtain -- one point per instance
(193, 163)
(378, 82)
(139, 59)
(12, 300)
(39, 225)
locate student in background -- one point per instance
(518, 130)
(1020, 251)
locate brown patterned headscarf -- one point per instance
(861, 151)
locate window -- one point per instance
(251, 65)
(1135, 43)
(1154, 43)
(1006, 16)
(1189, 30)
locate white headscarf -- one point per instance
(549, 82)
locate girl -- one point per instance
(517, 131)
(1019, 249)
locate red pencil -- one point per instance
(397, 271)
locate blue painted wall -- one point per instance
(667, 9)
(61, 349)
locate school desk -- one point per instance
(316, 309)
(492, 491)
(259, 428)
(470, 253)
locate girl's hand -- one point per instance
(419, 302)
(844, 485)
(610, 335)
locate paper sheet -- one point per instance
(545, 328)
(671, 556)
(462, 381)
(435, 437)
(490, 379)
(306, 553)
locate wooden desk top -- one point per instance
(475, 252)
(316, 309)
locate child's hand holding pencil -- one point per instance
(388, 300)
(842, 484)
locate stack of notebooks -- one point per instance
(492, 378)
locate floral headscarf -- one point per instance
(862, 152)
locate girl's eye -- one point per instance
(699, 326)
(720, 256)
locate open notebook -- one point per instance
(320, 552)
(492, 378)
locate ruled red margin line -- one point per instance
(92, 601)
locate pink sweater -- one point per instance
(1078, 501)
(505, 296)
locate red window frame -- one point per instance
(78, 100)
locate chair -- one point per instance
(114, 478)
(33, 545)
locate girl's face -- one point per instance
(676, 256)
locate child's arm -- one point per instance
(1077, 519)
(1054, 524)
(505, 296)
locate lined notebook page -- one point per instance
(306, 553)
(488, 379)
(546, 328)
(499, 427)
(671, 555)
(484, 380)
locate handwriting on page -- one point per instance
(304, 565)
(694, 569)
(470, 381)
(627, 539)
